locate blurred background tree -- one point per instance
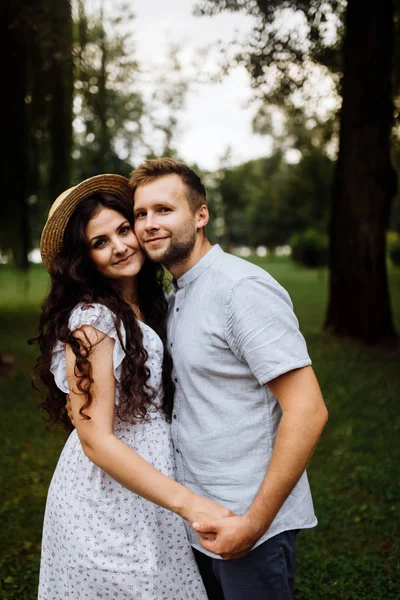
(38, 105)
(266, 200)
(108, 106)
(76, 107)
(353, 43)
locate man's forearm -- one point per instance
(296, 438)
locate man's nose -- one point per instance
(151, 222)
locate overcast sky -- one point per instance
(215, 115)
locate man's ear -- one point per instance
(202, 216)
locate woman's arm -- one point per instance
(109, 453)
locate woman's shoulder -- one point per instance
(95, 314)
(101, 318)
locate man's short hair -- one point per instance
(154, 168)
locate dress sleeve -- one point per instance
(101, 318)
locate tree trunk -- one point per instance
(365, 182)
(15, 166)
(61, 83)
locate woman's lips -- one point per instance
(124, 260)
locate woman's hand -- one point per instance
(199, 506)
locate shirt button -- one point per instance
(177, 450)
(171, 344)
(177, 310)
(174, 416)
(176, 380)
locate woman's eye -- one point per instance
(99, 244)
(124, 230)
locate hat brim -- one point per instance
(52, 236)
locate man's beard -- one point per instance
(177, 251)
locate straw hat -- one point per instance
(61, 210)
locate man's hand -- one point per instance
(68, 408)
(233, 536)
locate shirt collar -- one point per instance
(198, 268)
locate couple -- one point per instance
(131, 514)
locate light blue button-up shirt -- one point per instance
(231, 329)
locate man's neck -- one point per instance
(202, 246)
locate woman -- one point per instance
(110, 530)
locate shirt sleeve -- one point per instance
(101, 318)
(262, 329)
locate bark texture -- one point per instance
(61, 89)
(365, 181)
(15, 164)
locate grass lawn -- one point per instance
(355, 475)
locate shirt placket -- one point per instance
(175, 318)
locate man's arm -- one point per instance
(304, 416)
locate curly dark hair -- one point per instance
(74, 280)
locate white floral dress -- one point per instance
(99, 539)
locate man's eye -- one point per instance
(164, 209)
(140, 215)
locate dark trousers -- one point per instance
(266, 573)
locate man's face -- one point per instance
(164, 223)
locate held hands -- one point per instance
(220, 530)
(230, 537)
(201, 509)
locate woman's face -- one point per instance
(113, 246)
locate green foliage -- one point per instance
(351, 555)
(294, 49)
(310, 248)
(278, 57)
(263, 202)
(109, 107)
(111, 113)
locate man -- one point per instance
(248, 409)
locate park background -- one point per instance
(290, 111)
